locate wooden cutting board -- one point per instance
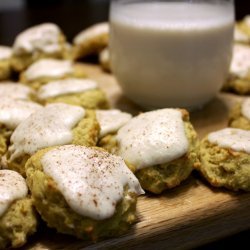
(187, 216)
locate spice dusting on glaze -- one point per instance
(44, 37)
(15, 90)
(13, 187)
(13, 112)
(92, 181)
(111, 120)
(233, 138)
(50, 126)
(5, 52)
(65, 86)
(245, 108)
(49, 68)
(153, 138)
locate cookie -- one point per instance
(46, 70)
(239, 116)
(15, 90)
(13, 112)
(55, 124)
(239, 79)
(104, 60)
(5, 62)
(91, 40)
(82, 92)
(161, 146)
(225, 159)
(82, 191)
(18, 218)
(110, 122)
(41, 41)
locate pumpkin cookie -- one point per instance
(55, 124)
(239, 79)
(46, 70)
(82, 191)
(17, 215)
(225, 159)
(104, 60)
(110, 122)
(91, 40)
(5, 62)
(15, 90)
(239, 116)
(161, 146)
(41, 41)
(75, 91)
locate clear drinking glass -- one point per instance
(171, 53)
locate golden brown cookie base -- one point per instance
(237, 120)
(91, 99)
(224, 167)
(17, 224)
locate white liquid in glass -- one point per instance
(171, 54)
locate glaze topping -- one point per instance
(92, 181)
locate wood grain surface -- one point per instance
(185, 217)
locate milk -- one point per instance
(171, 54)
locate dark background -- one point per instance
(73, 16)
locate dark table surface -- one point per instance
(73, 16)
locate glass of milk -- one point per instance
(171, 53)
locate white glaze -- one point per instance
(240, 64)
(13, 111)
(49, 68)
(49, 126)
(111, 120)
(66, 86)
(91, 181)
(15, 90)
(13, 187)
(153, 138)
(5, 52)
(43, 38)
(235, 139)
(245, 108)
(91, 33)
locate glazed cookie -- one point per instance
(239, 116)
(225, 159)
(91, 40)
(82, 191)
(55, 124)
(244, 25)
(110, 122)
(5, 62)
(15, 90)
(46, 70)
(82, 92)
(17, 215)
(239, 80)
(41, 41)
(13, 112)
(240, 36)
(162, 146)
(104, 60)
